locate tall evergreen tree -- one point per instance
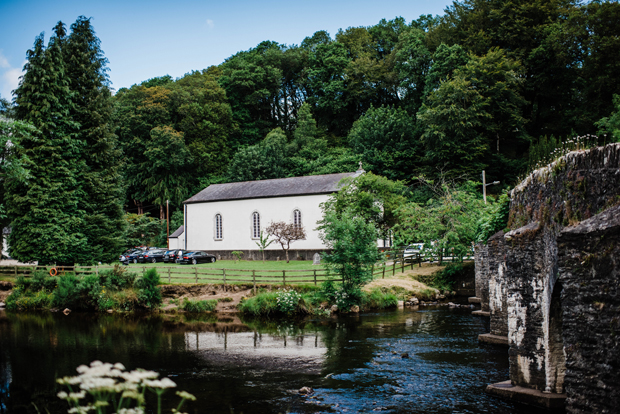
(101, 181)
(45, 212)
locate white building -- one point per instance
(229, 217)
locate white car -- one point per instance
(412, 251)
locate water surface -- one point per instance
(400, 361)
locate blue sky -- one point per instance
(144, 39)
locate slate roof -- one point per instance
(177, 233)
(280, 187)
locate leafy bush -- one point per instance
(28, 300)
(378, 299)
(287, 299)
(149, 291)
(67, 292)
(189, 305)
(117, 278)
(262, 304)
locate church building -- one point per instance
(229, 217)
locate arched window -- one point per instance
(219, 235)
(297, 218)
(255, 225)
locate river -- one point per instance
(398, 361)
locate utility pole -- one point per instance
(484, 186)
(168, 224)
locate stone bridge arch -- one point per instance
(543, 294)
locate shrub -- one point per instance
(287, 300)
(189, 305)
(28, 300)
(261, 304)
(149, 291)
(117, 278)
(67, 292)
(378, 299)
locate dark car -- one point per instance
(128, 255)
(152, 256)
(133, 256)
(173, 256)
(197, 257)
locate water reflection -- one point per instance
(399, 361)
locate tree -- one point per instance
(263, 243)
(286, 233)
(142, 230)
(263, 161)
(12, 159)
(101, 181)
(611, 125)
(353, 243)
(447, 223)
(386, 140)
(47, 222)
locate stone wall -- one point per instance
(498, 289)
(589, 271)
(269, 254)
(481, 260)
(572, 189)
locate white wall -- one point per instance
(237, 222)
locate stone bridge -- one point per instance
(551, 285)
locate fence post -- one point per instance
(314, 277)
(196, 273)
(394, 266)
(254, 280)
(224, 273)
(402, 270)
(143, 271)
(419, 260)
(372, 271)
(97, 269)
(15, 270)
(383, 277)
(169, 275)
(284, 278)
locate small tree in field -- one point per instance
(263, 243)
(353, 242)
(284, 234)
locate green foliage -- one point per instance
(142, 230)
(264, 304)
(447, 224)
(387, 142)
(288, 300)
(237, 254)
(494, 219)
(149, 292)
(263, 243)
(118, 278)
(547, 150)
(378, 299)
(352, 242)
(197, 306)
(611, 125)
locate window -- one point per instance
(297, 218)
(218, 227)
(255, 225)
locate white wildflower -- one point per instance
(163, 383)
(62, 395)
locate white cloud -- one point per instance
(4, 63)
(9, 79)
(210, 23)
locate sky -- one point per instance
(145, 39)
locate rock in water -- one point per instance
(66, 311)
(306, 391)
(2, 305)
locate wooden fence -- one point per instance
(395, 262)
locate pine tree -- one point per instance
(101, 179)
(46, 219)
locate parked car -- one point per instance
(412, 251)
(172, 256)
(197, 257)
(133, 256)
(126, 256)
(152, 256)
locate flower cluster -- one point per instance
(288, 300)
(105, 386)
(342, 299)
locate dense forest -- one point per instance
(490, 85)
(455, 94)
